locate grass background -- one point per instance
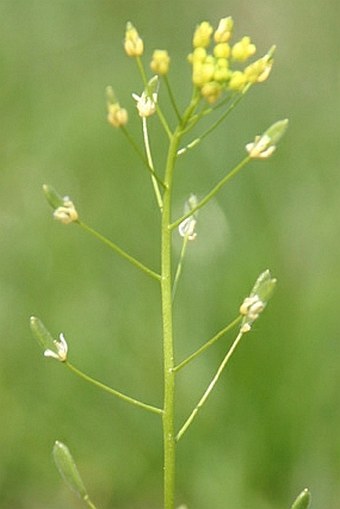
(272, 426)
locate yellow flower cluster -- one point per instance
(212, 72)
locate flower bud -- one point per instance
(222, 50)
(202, 35)
(243, 49)
(117, 116)
(224, 29)
(160, 62)
(237, 81)
(133, 44)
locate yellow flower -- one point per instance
(202, 35)
(243, 49)
(133, 44)
(160, 62)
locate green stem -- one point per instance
(120, 251)
(200, 138)
(179, 266)
(88, 502)
(168, 347)
(150, 163)
(142, 71)
(106, 388)
(163, 121)
(172, 98)
(169, 441)
(141, 155)
(213, 192)
(208, 344)
(210, 387)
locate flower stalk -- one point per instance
(215, 84)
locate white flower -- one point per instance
(187, 228)
(261, 148)
(251, 308)
(66, 213)
(146, 104)
(61, 350)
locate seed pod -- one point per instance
(68, 469)
(303, 500)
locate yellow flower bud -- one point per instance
(202, 35)
(160, 62)
(117, 116)
(222, 74)
(222, 50)
(243, 49)
(203, 72)
(237, 81)
(259, 71)
(199, 55)
(211, 91)
(133, 44)
(223, 31)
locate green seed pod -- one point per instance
(264, 286)
(53, 198)
(303, 500)
(68, 469)
(41, 334)
(277, 130)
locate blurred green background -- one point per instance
(271, 427)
